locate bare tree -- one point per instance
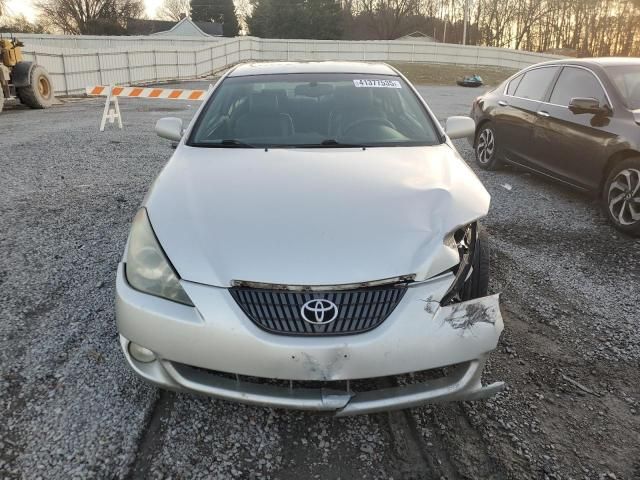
(173, 9)
(386, 17)
(90, 17)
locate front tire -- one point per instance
(486, 147)
(621, 196)
(39, 92)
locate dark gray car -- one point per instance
(577, 121)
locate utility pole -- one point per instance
(444, 35)
(466, 19)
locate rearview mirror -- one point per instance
(459, 127)
(169, 128)
(580, 105)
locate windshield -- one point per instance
(627, 80)
(313, 110)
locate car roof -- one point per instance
(599, 61)
(275, 68)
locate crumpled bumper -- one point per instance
(215, 350)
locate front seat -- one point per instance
(263, 118)
(352, 105)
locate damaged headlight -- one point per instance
(147, 268)
(464, 240)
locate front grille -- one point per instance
(280, 311)
(358, 385)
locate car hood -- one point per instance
(324, 216)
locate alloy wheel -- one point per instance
(624, 197)
(486, 146)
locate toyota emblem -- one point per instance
(319, 311)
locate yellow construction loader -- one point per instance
(29, 82)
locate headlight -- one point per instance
(464, 239)
(147, 268)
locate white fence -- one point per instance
(75, 62)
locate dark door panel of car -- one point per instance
(571, 147)
(514, 119)
(568, 145)
(516, 113)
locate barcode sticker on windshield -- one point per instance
(375, 83)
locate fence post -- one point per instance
(99, 68)
(129, 77)
(195, 62)
(64, 74)
(155, 64)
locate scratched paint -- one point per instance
(466, 315)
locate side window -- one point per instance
(535, 83)
(513, 84)
(576, 82)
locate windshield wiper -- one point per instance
(331, 142)
(232, 142)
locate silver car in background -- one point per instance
(314, 232)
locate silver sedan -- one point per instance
(315, 231)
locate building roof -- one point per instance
(186, 26)
(137, 26)
(210, 28)
(275, 68)
(419, 36)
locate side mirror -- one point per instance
(459, 127)
(169, 128)
(580, 105)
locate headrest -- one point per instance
(264, 103)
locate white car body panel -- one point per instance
(323, 216)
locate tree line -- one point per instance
(110, 17)
(579, 27)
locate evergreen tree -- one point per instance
(319, 19)
(219, 11)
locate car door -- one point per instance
(516, 112)
(567, 145)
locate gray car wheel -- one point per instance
(621, 195)
(486, 147)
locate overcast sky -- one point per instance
(25, 7)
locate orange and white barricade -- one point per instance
(112, 112)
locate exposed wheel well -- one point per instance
(612, 161)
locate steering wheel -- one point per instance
(367, 121)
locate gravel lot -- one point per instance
(70, 408)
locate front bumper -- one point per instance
(197, 349)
